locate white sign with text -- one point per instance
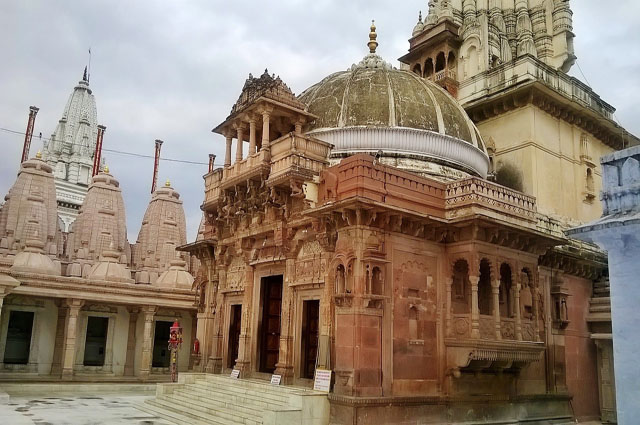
(322, 381)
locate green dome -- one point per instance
(373, 94)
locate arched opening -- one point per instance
(377, 284)
(452, 63)
(340, 279)
(506, 293)
(428, 68)
(472, 62)
(440, 62)
(526, 294)
(417, 69)
(413, 323)
(590, 184)
(461, 290)
(484, 288)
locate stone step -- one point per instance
(235, 413)
(223, 396)
(171, 414)
(255, 384)
(266, 394)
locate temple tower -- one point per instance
(71, 149)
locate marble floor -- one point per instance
(76, 410)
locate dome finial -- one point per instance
(39, 155)
(84, 76)
(420, 17)
(106, 169)
(373, 44)
(167, 183)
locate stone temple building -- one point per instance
(95, 307)
(404, 229)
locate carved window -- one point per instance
(484, 288)
(340, 280)
(461, 290)
(506, 291)
(377, 282)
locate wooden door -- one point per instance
(309, 340)
(270, 325)
(234, 335)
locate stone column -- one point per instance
(285, 357)
(131, 341)
(227, 154)
(266, 116)
(518, 311)
(495, 291)
(448, 315)
(252, 136)
(240, 141)
(70, 334)
(56, 364)
(536, 308)
(243, 364)
(194, 327)
(475, 311)
(149, 312)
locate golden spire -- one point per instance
(106, 169)
(39, 155)
(167, 183)
(373, 44)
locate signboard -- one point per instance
(235, 373)
(322, 380)
(275, 379)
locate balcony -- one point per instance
(297, 156)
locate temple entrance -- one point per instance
(18, 337)
(235, 320)
(271, 302)
(309, 340)
(161, 345)
(96, 342)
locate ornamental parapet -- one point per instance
(483, 355)
(296, 156)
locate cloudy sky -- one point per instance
(172, 69)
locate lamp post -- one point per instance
(175, 341)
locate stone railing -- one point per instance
(441, 75)
(212, 190)
(296, 155)
(464, 193)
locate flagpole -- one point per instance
(89, 75)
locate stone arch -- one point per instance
(377, 281)
(461, 288)
(428, 68)
(340, 279)
(414, 333)
(484, 287)
(441, 62)
(526, 293)
(417, 69)
(451, 61)
(506, 291)
(589, 180)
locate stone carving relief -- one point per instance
(235, 274)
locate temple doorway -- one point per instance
(96, 342)
(161, 345)
(271, 303)
(235, 320)
(309, 340)
(18, 343)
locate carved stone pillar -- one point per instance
(448, 317)
(240, 141)
(475, 311)
(495, 292)
(70, 334)
(149, 311)
(131, 341)
(266, 116)
(227, 154)
(194, 327)
(252, 136)
(56, 364)
(243, 364)
(536, 309)
(518, 312)
(285, 357)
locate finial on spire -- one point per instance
(420, 17)
(39, 155)
(84, 75)
(373, 44)
(106, 169)
(167, 183)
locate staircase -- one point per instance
(217, 399)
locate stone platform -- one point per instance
(220, 400)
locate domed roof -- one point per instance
(372, 97)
